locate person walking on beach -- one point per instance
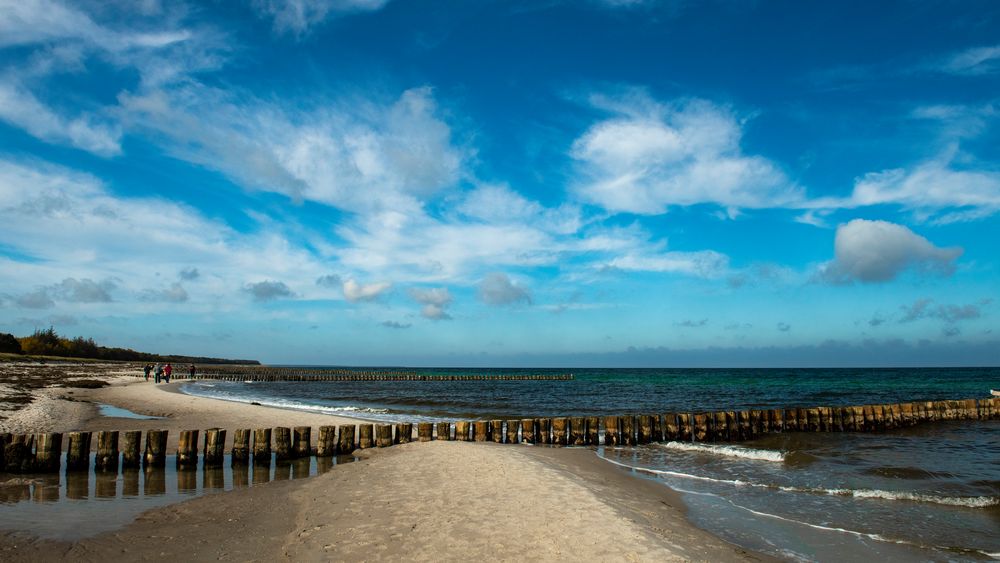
(146, 369)
(191, 372)
(158, 372)
(167, 371)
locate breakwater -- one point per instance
(43, 452)
(251, 373)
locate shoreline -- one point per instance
(419, 501)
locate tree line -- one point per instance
(46, 342)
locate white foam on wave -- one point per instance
(968, 502)
(971, 502)
(651, 471)
(836, 529)
(293, 405)
(728, 451)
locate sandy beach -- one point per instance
(420, 501)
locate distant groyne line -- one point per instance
(42, 452)
(294, 374)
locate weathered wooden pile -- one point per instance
(42, 452)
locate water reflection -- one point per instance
(241, 476)
(187, 481)
(65, 505)
(155, 482)
(301, 468)
(214, 479)
(282, 471)
(106, 485)
(46, 489)
(130, 483)
(77, 485)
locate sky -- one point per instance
(479, 183)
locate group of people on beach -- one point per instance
(163, 372)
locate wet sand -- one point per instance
(436, 501)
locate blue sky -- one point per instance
(616, 183)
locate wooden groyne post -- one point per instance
(214, 452)
(383, 435)
(48, 452)
(156, 449)
(346, 443)
(302, 441)
(611, 435)
(528, 430)
(366, 433)
(425, 431)
(78, 451)
(187, 449)
(132, 449)
(282, 443)
(107, 451)
(404, 433)
(326, 445)
(511, 434)
(240, 454)
(262, 447)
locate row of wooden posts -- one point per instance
(299, 376)
(42, 452)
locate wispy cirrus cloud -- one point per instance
(298, 17)
(935, 189)
(354, 154)
(970, 62)
(86, 131)
(63, 39)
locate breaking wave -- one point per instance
(728, 451)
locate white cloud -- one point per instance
(70, 226)
(498, 289)
(879, 251)
(21, 108)
(60, 39)
(936, 189)
(355, 292)
(29, 22)
(498, 204)
(974, 61)
(417, 247)
(434, 300)
(651, 156)
(705, 263)
(298, 16)
(353, 154)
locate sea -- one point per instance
(927, 493)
